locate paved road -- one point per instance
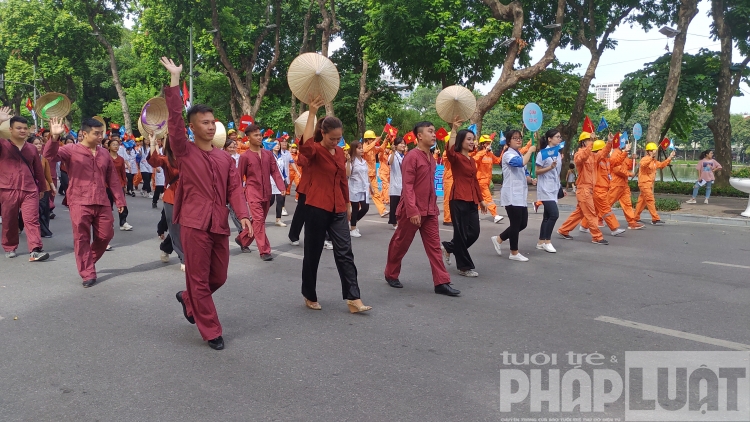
(122, 351)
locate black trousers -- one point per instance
(318, 222)
(124, 214)
(395, 199)
(44, 213)
(129, 176)
(298, 220)
(280, 201)
(465, 219)
(551, 214)
(146, 182)
(519, 218)
(359, 210)
(157, 193)
(64, 181)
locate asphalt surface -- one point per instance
(122, 351)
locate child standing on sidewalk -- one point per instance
(571, 178)
(706, 167)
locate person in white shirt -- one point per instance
(145, 167)
(289, 165)
(394, 191)
(356, 171)
(513, 194)
(128, 153)
(278, 192)
(159, 177)
(548, 187)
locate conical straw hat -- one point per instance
(53, 104)
(5, 129)
(301, 122)
(455, 101)
(312, 74)
(101, 120)
(220, 136)
(154, 116)
(141, 130)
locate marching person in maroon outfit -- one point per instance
(418, 210)
(21, 180)
(327, 208)
(258, 166)
(91, 171)
(208, 179)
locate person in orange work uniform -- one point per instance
(485, 159)
(585, 160)
(294, 176)
(601, 189)
(646, 176)
(384, 172)
(619, 190)
(372, 149)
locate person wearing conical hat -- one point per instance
(372, 148)
(646, 176)
(485, 160)
(21, 181)
(585, 160)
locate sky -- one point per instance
(636, 48)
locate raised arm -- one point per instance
(306, 148)
(52, 151)
(177, 135)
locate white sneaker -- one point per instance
(496, 244)
(280, 223)
(1, 220)
(446, 256)
(540, 245)
(549, 248)
(182, 267)
(583, 229)
(395, 226)
(295, 243)
(498, 218)
(150, 195)
(126, 227)
(328, 245)
(283, 212)
(690, 201)
(618, 232)
(468, 273)
(518, 257)
(705, 201)
(296, 200)
(355, 233)
(164, 257)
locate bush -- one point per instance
(662, 204)
(497, 179)
(686, 188)
(742, 172)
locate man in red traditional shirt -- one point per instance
(21, 179)
(208, 180)
(418, 210)
(91, 171)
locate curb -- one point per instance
(686, 218)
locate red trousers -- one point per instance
(85, 218)
(206, 264)
(402, 239)
(14, 200)
(259, 212)
(584, 210)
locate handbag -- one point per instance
(560, 193)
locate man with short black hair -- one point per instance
(418, 210)
(91, 171)
(21, 180)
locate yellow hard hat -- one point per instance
(370, 135)
(584, 136)
(598, 145)
(484, 138)
(292, 146)
(651, 146)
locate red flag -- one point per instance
(441, 134)
(616, 141)
(664, 143)
(246, 121)
(185, 95)
(392, 131)
(588, 125)
(29, 104)
(409, 138)
(268, 133)
(492, 136)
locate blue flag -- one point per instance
(551, 152)
(342, 143)
(122, 132)
(502, 139)
(230, 125)
(623, 140)
(473, 129)
(269, 145)
(388, 120)
(602, 125)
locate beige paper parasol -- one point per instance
(154, 116)
(301, 122)
(455, 101)
(52, 104)
(312, 74)
(220, 136)
(5, 129)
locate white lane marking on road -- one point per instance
(290, 255)
(726, 265)
(674, 333)
(1, 318)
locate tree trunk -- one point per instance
(266, 78)
(364, 95)
(115, 74)
(509, 77)
(233, 103)
(329, 26)
(234, 76)
(688, 10)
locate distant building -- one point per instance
(607, 93)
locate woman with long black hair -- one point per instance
(466, 197)
(326, 209)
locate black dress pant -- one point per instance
(44, 213)
(395, 199)
(129, 177)
(518, 218)
(146, 182)
(157, 193)
(64, 181)
(465, 219)
(280, 201)
(551, 214)
(124, 214)
(298, 220)
(359, 210)
(318, 222)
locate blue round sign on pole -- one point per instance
(637, 131)
(532, 117)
